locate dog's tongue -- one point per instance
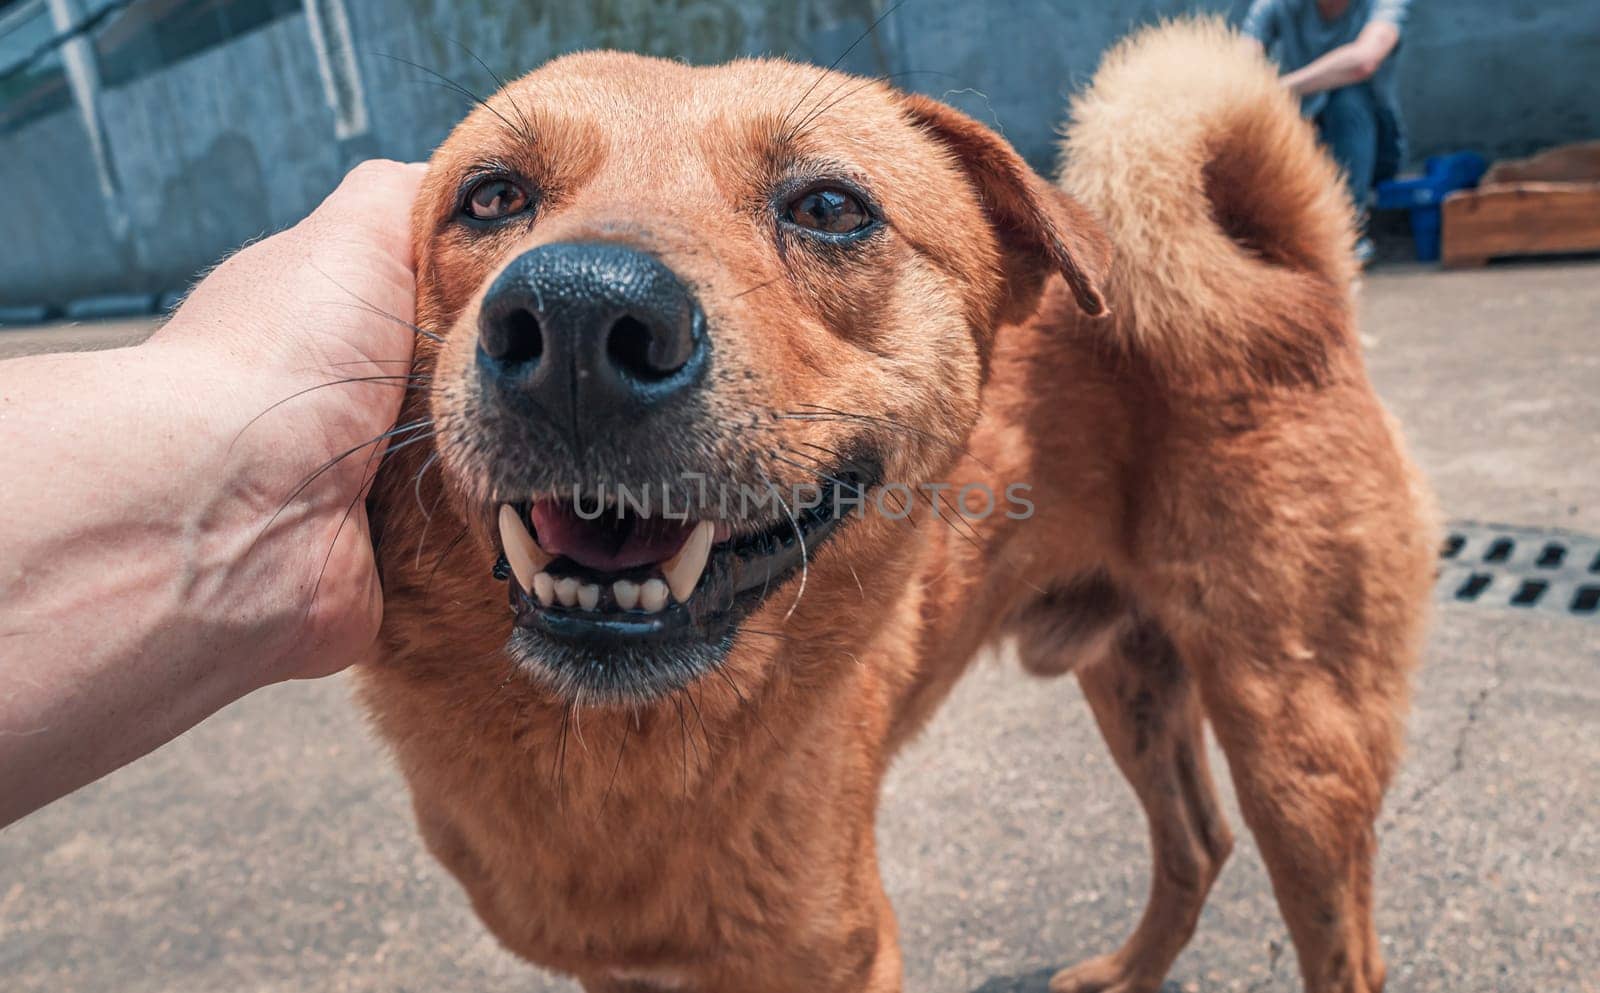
(608, 543)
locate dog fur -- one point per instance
(1227, 530)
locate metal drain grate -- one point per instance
(1553, 572)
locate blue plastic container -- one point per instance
(1422, 195)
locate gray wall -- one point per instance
(239, 140)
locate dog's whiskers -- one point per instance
(527, 127)
(615, 766)
(524, 133)
(818, 412)
(774, 635)
(799, 535)
(745, 705)
(416, 485)
(859, 588)
(808, 468)
(683, 742)
(427, 522)
(699, 717)
(350, 508)
(577, 719)
(811, 118)
(863, 36)
(406, 381)
(340, 365)
(758, 286)
(445, 553)
(559, 772)
(394, 432)
(375, 311)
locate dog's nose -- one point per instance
(591, 332)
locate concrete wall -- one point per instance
(240, 140)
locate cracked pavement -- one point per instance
(272, 848)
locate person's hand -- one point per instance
(307, 336)
(184, 519)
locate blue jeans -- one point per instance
(1350, 125)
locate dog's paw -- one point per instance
(1102, 974)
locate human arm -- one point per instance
(1348, 64)
(141, 586)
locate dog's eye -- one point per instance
(492, 199)
(830, 210)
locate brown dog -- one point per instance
(658, 771)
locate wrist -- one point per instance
(274, 546)
(156, 494)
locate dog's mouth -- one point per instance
(613, 577)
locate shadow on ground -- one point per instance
(1039, 982)
(1033, 982)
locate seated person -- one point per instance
(1337, 56)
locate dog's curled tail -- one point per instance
(1231, 230)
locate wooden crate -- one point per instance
(1543, 205)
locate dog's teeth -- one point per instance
(588, 596)
(653, 596)
(567, 591)
(627, 594)
(683, 569)
(524, 554)
(544, 588)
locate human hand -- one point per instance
(300, 346)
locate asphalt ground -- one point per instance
(272, 848)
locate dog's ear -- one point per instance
(1042, 231)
